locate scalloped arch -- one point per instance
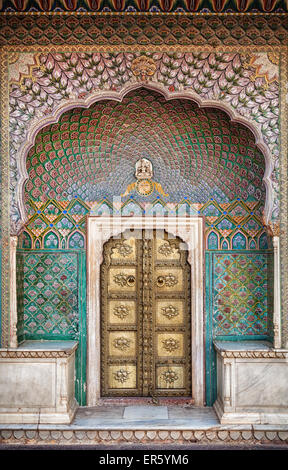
(36, 127)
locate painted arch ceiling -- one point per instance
(196, 154)
(41, 85)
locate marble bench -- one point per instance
(37, 382)
(252, 383)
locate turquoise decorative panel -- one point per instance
(240, 294)
(239, 302)
(263, 242)
(239, 242)
(50, 295)
(51, 241)
(76, 240)
(51, 300)
(212, 241)
(27, 240)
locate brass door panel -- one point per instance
(170, 378)
(170, 345)
(122, 312)
(169, 312)
(145, 316)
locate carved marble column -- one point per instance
(13, 293)
(274, 232)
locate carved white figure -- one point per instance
(144, 184)
(144, 169)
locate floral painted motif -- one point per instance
(240, 296)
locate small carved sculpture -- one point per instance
(166, 249)
(124, 280)
(143, 67)
(144, 185)
(123, 249)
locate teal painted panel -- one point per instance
(20, 296)
(240, 285)
(51, 299)
(239, 303)
(210, 354)
(81, 353)
(0, 291)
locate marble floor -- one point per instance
(145, 416)
(112, 426)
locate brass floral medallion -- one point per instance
(124, 280)
(170, 344)
(168, 280)
(170, 376)
(166, 249)
(144, 187)
(121, 375)
(123, 249)
(170, 311)
(122, 343)
(121, 311)
(143, 67)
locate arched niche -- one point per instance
(118, 97)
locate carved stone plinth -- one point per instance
(252, 383)
(37, 383)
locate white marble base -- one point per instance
(37, 383)
(145, 412)
(252, 383)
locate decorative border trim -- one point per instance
(252, 354)
(283, 216)
(107, 437)
(5, 200)
(18, 354)
(143, 13)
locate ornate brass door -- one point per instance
(145, 317)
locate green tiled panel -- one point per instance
(51, 300)
(239, 302)
(20, 296)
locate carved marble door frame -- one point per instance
(99, 230)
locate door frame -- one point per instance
(99, 230)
